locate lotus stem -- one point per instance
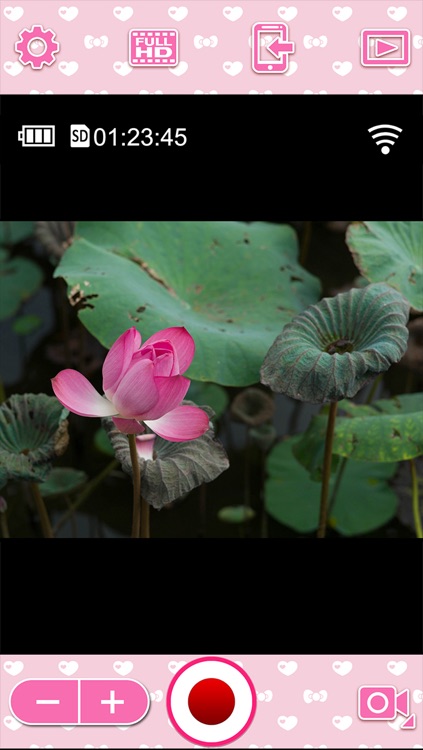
(145, 519)
(4, 526)
(42, 512)
(327, 462)
(338, 480)
(340, 474)
(415, 500)
(136, 479)
(86, 492)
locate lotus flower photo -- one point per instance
(211, 379)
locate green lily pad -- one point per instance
(390, 251)
(19, 279)
(177, 467)
(209, 393)
(26, 324)
(63, 481)
(364, 501)
(102, 442)
(232, 285)
(335, 347)
(33, 431)
(12, 232)
(236, 514)
(388, 430)
(381, 438)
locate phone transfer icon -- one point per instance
(270, 48)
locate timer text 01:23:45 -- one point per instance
(137, 137)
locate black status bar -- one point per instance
(201, 157)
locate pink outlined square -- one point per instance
(378, 36)
(156, 48)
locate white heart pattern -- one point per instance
(292, 68)
(342, 667)
(122, 68)
(11, 723)
(175, 666)
(397, 14)
(342, 722)
(178, 14)
(68, 68)
(232, 68)
(287, 14)
(342, 13)
(397, 667)
(13, 667)
(180, 69)
(342, 68)
(123, 667)
(287, 722)
(287, 667)
(233, 13)
(13, 68)
(68, 14)
(68, 667)
(13, 13)
(123, 14)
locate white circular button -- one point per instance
(211, 701)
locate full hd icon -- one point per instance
(387, 48)
(153, 48)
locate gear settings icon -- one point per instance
(37, 47)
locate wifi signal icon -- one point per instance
(380, 131)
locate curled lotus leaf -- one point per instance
(176, 468)
(332, 349)
(33, 431)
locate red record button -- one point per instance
(211, 701)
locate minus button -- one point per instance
(45, 701)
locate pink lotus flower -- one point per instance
(141, 384)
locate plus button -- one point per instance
(112, 702)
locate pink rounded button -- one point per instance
(45, 701)
(89, 701)
(113, 701)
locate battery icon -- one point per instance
(37, 135)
